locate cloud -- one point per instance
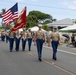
(70, 4)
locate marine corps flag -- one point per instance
(21, 21)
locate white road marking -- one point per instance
(61, 50)
(54, 65)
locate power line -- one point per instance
(39, 5)
(49, 12)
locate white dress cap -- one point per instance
(40, 25)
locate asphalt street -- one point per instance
(26, 63)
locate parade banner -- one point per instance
(21, 22)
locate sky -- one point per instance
(59, 9)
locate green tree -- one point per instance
(40, 15)
(54, 20)
(31, 21)
(36, 17)
(45, 27)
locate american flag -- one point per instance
(10, 15)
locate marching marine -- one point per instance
(11, 40)
(29, 36)
(24, 39)
(7, 36)
(39, 38)
(55, 40)
(17, 39)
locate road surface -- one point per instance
(26, 63)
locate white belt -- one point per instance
(17, 37)
(24, 38)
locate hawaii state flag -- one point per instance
(21, 21)
(10, 15)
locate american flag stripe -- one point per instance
(10, 15)
(15, 16)
(8, 20)
(7, 15)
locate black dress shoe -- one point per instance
(40, 59)
(23, 50)
(55, 59)
(10, 51)
(29, 50)
(17, 50)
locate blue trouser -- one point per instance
(39, 43)
(23, 44)
(29, 43)
(7, 39)
(3, 38)
(54, 46)
(17, 43)
(11, 42)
